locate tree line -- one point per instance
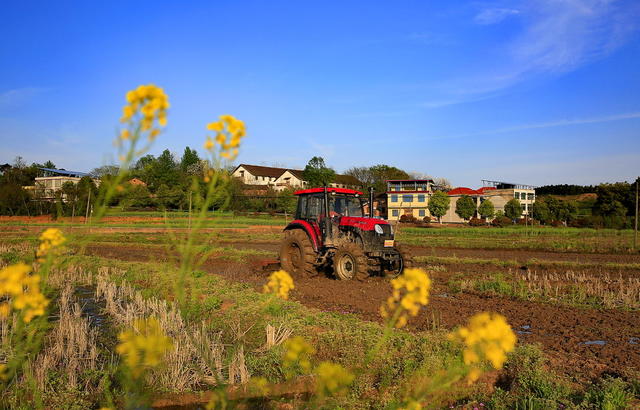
(614, 207)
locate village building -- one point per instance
(498, 192)
(283, 178)
(52, 180)
(408, 197)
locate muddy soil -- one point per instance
(582, 343)
(525, 255)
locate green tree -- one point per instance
(486, 209)
(614, 200)
(317, 174)
(105, 170)
(439, 204)
(287, 201)
(465, 207)
(189, 158)
(144, 162)
(541, 212)
(14, 200)
(136, 196)
(567, 211)
(382, 173)
(377, 176)
(513, 209)
(87, 195)
(163, 196)
(163, 170)
(70, 195)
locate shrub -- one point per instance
(501, 221)
(408, 219)
(579, 223)
(610, 393)
(556, 223)
(426, 219)
(476, 222)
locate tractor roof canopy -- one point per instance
(320, 190)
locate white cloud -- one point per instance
(562, 35)
(553, 37)
(19, 96)
(494, 15)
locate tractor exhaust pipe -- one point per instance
(327, 218)
(371, 202)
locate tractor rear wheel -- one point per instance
(350, 262)
(406, 261)
(297, 256)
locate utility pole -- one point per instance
(635, 228)
(190, 193)
(86, 216)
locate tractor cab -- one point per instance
(332, 232)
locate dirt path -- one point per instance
(582, 342)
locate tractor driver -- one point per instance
(337, 208)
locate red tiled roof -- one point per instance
(463, 191)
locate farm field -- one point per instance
(571, 295)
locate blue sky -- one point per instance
(536, 92)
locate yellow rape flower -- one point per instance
(149, 104)
(217, 400)
(215, 126)
(51, 242)
(332, 379)
(229, 132)
(280, 284)
(410, 292)
(5, 309)
(259, 386)
(144, 345)
(23, 290)
(412, 405)
(487, 337)
(153, 134)
(297, 353)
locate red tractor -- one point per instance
(331, 233)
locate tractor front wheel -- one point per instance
(396, 268)
(350, 262)
(297, 256)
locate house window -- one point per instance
(516, 195)
(395, 212)
(420, 198)
(530, 196)
(523, 195)
(394, 198)
(421, 212)
(407, 198)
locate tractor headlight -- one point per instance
(378, 229)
